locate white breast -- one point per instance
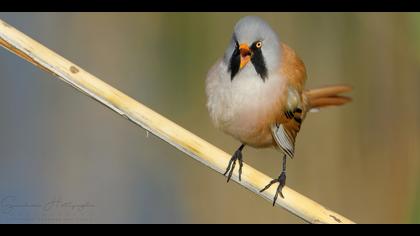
(237, 106)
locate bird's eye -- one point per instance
(258, 44)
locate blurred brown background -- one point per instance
(56, 145)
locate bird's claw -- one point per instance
(232, 163)
(282, 182)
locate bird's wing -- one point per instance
(292, 68)
(291, 116)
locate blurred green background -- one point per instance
(57, 145)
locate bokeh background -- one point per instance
(59, 147)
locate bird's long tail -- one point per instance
(285, 133)
(327, 96)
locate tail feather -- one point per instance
(327, 96)
(285, 133)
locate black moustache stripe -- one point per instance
(257, 60)
(235, 61)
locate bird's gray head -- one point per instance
(253, 41)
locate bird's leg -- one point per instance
(232, 163)
(281, 180)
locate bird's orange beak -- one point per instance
(245, 54)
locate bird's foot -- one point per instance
(282, 182)
(237, 156)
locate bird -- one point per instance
(256, 94)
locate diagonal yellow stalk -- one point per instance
(195, 147)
